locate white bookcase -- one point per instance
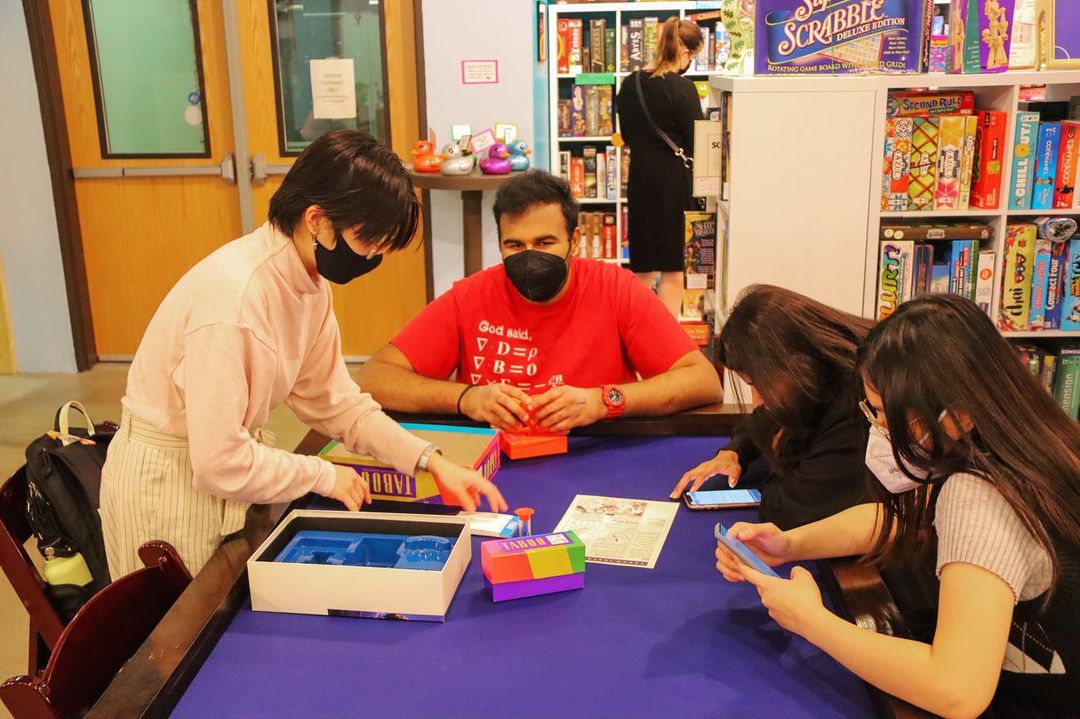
(613, 13)
(803, 207)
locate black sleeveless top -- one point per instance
(1041, 673)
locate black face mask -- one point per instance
(537, 275)
(341, 265)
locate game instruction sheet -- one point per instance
(618, 531)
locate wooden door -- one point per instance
(373, 308)
(141, 234)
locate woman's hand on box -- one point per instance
(466, 486)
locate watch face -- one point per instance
(614, 396)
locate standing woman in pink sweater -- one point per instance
(252, 326)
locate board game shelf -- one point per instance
(830, 158)
(561, 85)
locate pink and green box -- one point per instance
(530, 566)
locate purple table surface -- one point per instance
(675, 641)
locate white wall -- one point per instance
(474, 30)
(29, 243)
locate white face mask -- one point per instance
(880, 460)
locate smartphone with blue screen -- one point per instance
(722, 499)
(741, 551)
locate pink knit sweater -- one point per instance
(243, 331)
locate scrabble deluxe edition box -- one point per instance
(824, 37)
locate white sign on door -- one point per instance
(333, 89)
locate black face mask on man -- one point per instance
(341, 265)
(537, 275)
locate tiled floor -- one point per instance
(27, 405)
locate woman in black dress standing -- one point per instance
(659, 188)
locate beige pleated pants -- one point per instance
(147, 493)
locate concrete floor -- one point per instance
(27, 405)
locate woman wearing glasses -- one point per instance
(978, 471)
(798, 356)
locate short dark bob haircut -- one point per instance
(359, 182)
(535, 187)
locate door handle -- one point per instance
(261, 169)
(226, 170)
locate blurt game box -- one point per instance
(824, 37)
(473, 447)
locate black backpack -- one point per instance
(63, 472)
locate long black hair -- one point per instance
(799, 354)
(359, 182)
(942, 353)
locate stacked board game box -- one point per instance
(473, 447)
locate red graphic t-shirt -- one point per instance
(605, 328)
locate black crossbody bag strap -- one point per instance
(688, 162)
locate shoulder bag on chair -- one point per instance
(63, 470)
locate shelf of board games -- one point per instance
(615, 15)
(829, 176)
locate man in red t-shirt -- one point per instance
(545, 336)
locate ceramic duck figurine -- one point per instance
(497, 162)
(424, 157)
(456, 161)
(519, 155)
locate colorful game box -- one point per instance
(699, 250)
(924, 103)
(1039, 284)
(1046, 158)
(895, 276)
(1068, 152)
(894, 230)
(980, 35)
(984, 284)
(1055, 285)
(967, 169)
(473, 447)
(797, 37)
(1070, 298)
(526, 445)
(1023, 166)
(950, 159)
(1018, 258)
(530, 566)
(380, 565)
(963, 267)
(922, 177)
(897, 168)
(989, 158)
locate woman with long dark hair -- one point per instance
(798, 356)
(978, 467)
(251, 327)
(659, 188)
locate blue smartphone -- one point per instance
(722, 498)
(741, 551)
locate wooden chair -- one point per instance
(101, 637)
(46, 624)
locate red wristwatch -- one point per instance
(613, 400)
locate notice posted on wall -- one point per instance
(618, 531)
(333, 89)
